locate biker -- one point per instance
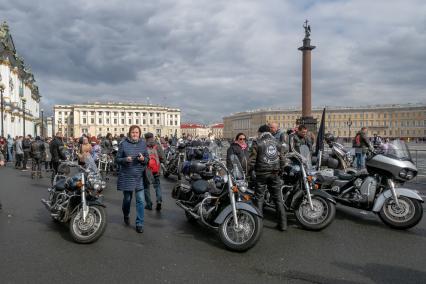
(26, 146)
(106, 144)
(239, 148)
(362, 145)
(267, 159)
(57, 152)
(299, 138)
(279, 134)
(37, 150)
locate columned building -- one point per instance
(115, 118)
(21, 97)
(404, 121)
(217, 130)
(195, 130)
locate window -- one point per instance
(122, 114)
(171, 122)
(158, 114)
(176, 122)
(107, 113)
(151, 114)
(144, 114)
(130, 121)
(108, 129)
(137, 121)
(99, 112)
(122, 129)
(115, 113)
(100, 129)
(158, 121)
(143, 121)
(107, 120)
(100, 120)
(122, 121)
(115, 121)
(84, 120)
(130, 113)
(92, 120)
(151, 122)
(92, 113)
(60, 112)
(84, 112)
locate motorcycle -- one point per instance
(76, 199)
(216, 198)
(174, 160)
(379, 188)
(314, 209)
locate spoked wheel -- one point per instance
(244, 236)
(319, 218)
(406, 215)
(91, 229)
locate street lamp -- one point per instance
(42, 129)
(2, 108)
(349, 124)
(24, 100)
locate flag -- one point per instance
(320, 136)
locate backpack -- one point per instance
(154, 160)
(357, 141)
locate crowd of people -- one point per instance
(139, 158)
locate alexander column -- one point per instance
(307, 119)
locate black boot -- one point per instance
(282, 217)
(259, 204)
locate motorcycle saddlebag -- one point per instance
(181, 191)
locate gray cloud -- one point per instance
(211, 58)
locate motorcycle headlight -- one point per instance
(96, 186)
(242, 186)
(409, 175)
(103, 184)
(403, 173)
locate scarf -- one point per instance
(243, 145)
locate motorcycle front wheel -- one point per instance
(92, 228)
(244, 236)
(317, 219)
(405, 216)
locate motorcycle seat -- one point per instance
(200, 186)
(342, 175)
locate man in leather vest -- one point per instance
(37, 150)
(267, 159)
(299, 138)
(56, 148)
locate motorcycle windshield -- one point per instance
(90, 164)
(396, 149)
(306, 154)
(237, 169)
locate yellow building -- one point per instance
(405, 121)
(115, 118)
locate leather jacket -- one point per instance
(37, 149)
(266, 155)
(295, 141)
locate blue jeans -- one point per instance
(156, 184)
(127, 200)
(360, 160)
(9, 154)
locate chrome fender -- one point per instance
(239, 205)
(378, 204)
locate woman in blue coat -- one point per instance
(133, 157)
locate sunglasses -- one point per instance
(241, 139)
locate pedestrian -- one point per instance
(152, 171)
(240, 149)
(37, 152)
(26, 146)
(267, 159)
(57, 152)
(19, 153)
(362, 145)
(133, 157)
(47, 156)
(9, 148)
(85, 151)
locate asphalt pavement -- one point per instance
(356, 248)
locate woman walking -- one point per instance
(132, 157)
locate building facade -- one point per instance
(194, 130)
(217, 130)
(404, 121)
(21, 99)
(115, 118)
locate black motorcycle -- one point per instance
(379, 187)
(76, 199)
(314, 209)
(216, 198)
(175, 157)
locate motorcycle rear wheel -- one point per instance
(246, 236)
(91, 230)
(322, 215)
(408, 215)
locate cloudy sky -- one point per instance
(212, 58)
